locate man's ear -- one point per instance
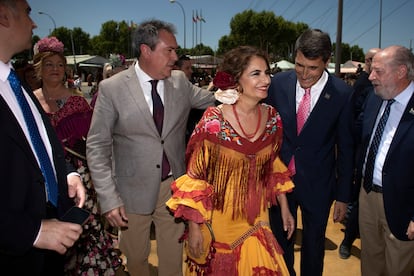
(402, 71)
(145, 50)
(4, 16)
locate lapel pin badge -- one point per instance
(411, 111)
(327, 96)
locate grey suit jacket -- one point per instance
(124, 148)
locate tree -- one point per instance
(354, 53)
(114, 37)
(265, 30)
(200, 50)
(79, 38)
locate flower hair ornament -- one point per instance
(48, 44)
(227, 92)
(116, 60)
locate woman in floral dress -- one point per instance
(70, 115)
(234, 174)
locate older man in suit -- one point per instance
(133, 158)
(385, 167)
(317, 146)
(32, 163)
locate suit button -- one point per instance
(162, 142)
(158, 166)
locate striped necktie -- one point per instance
(373, 149)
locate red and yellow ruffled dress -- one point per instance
(232, 182)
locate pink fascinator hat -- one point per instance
(48, 44)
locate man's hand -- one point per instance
(76, 189)
(117, 217)
(339, 211)
(58, 235)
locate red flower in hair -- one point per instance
(224, 81)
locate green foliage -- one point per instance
(354, 53)
(114, 37)
(265, 30)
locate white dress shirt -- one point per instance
(144, 81)
(8, 95)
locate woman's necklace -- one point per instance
(248, 136)
(49, 98)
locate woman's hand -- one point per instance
(195, 239)
(288, 220)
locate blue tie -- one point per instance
(39, 146)
(373, 149)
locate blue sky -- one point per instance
(360, 18)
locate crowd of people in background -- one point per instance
(210, 164)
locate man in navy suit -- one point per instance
(320, 157)
(32, 240)
(386, 212)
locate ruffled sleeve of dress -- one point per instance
(281, 177)
(192, 195)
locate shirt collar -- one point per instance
(318, 86)
(5, 70)
(405, 96)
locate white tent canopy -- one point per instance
(87, 60)
(283, 65)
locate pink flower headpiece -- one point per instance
(48, 44)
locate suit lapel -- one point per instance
(169, 104)
(11, 127)
(137, 94)
(291, 96)
(321, 107)
(287, 94)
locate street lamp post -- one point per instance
(51, 18)
(182, 9)
(380, 25)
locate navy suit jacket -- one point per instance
(324, 148)
(397, 172)
(22, 193)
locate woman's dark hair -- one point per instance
(236, 60)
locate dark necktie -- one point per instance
(158, 114)
(39, 146)
(373, 149)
